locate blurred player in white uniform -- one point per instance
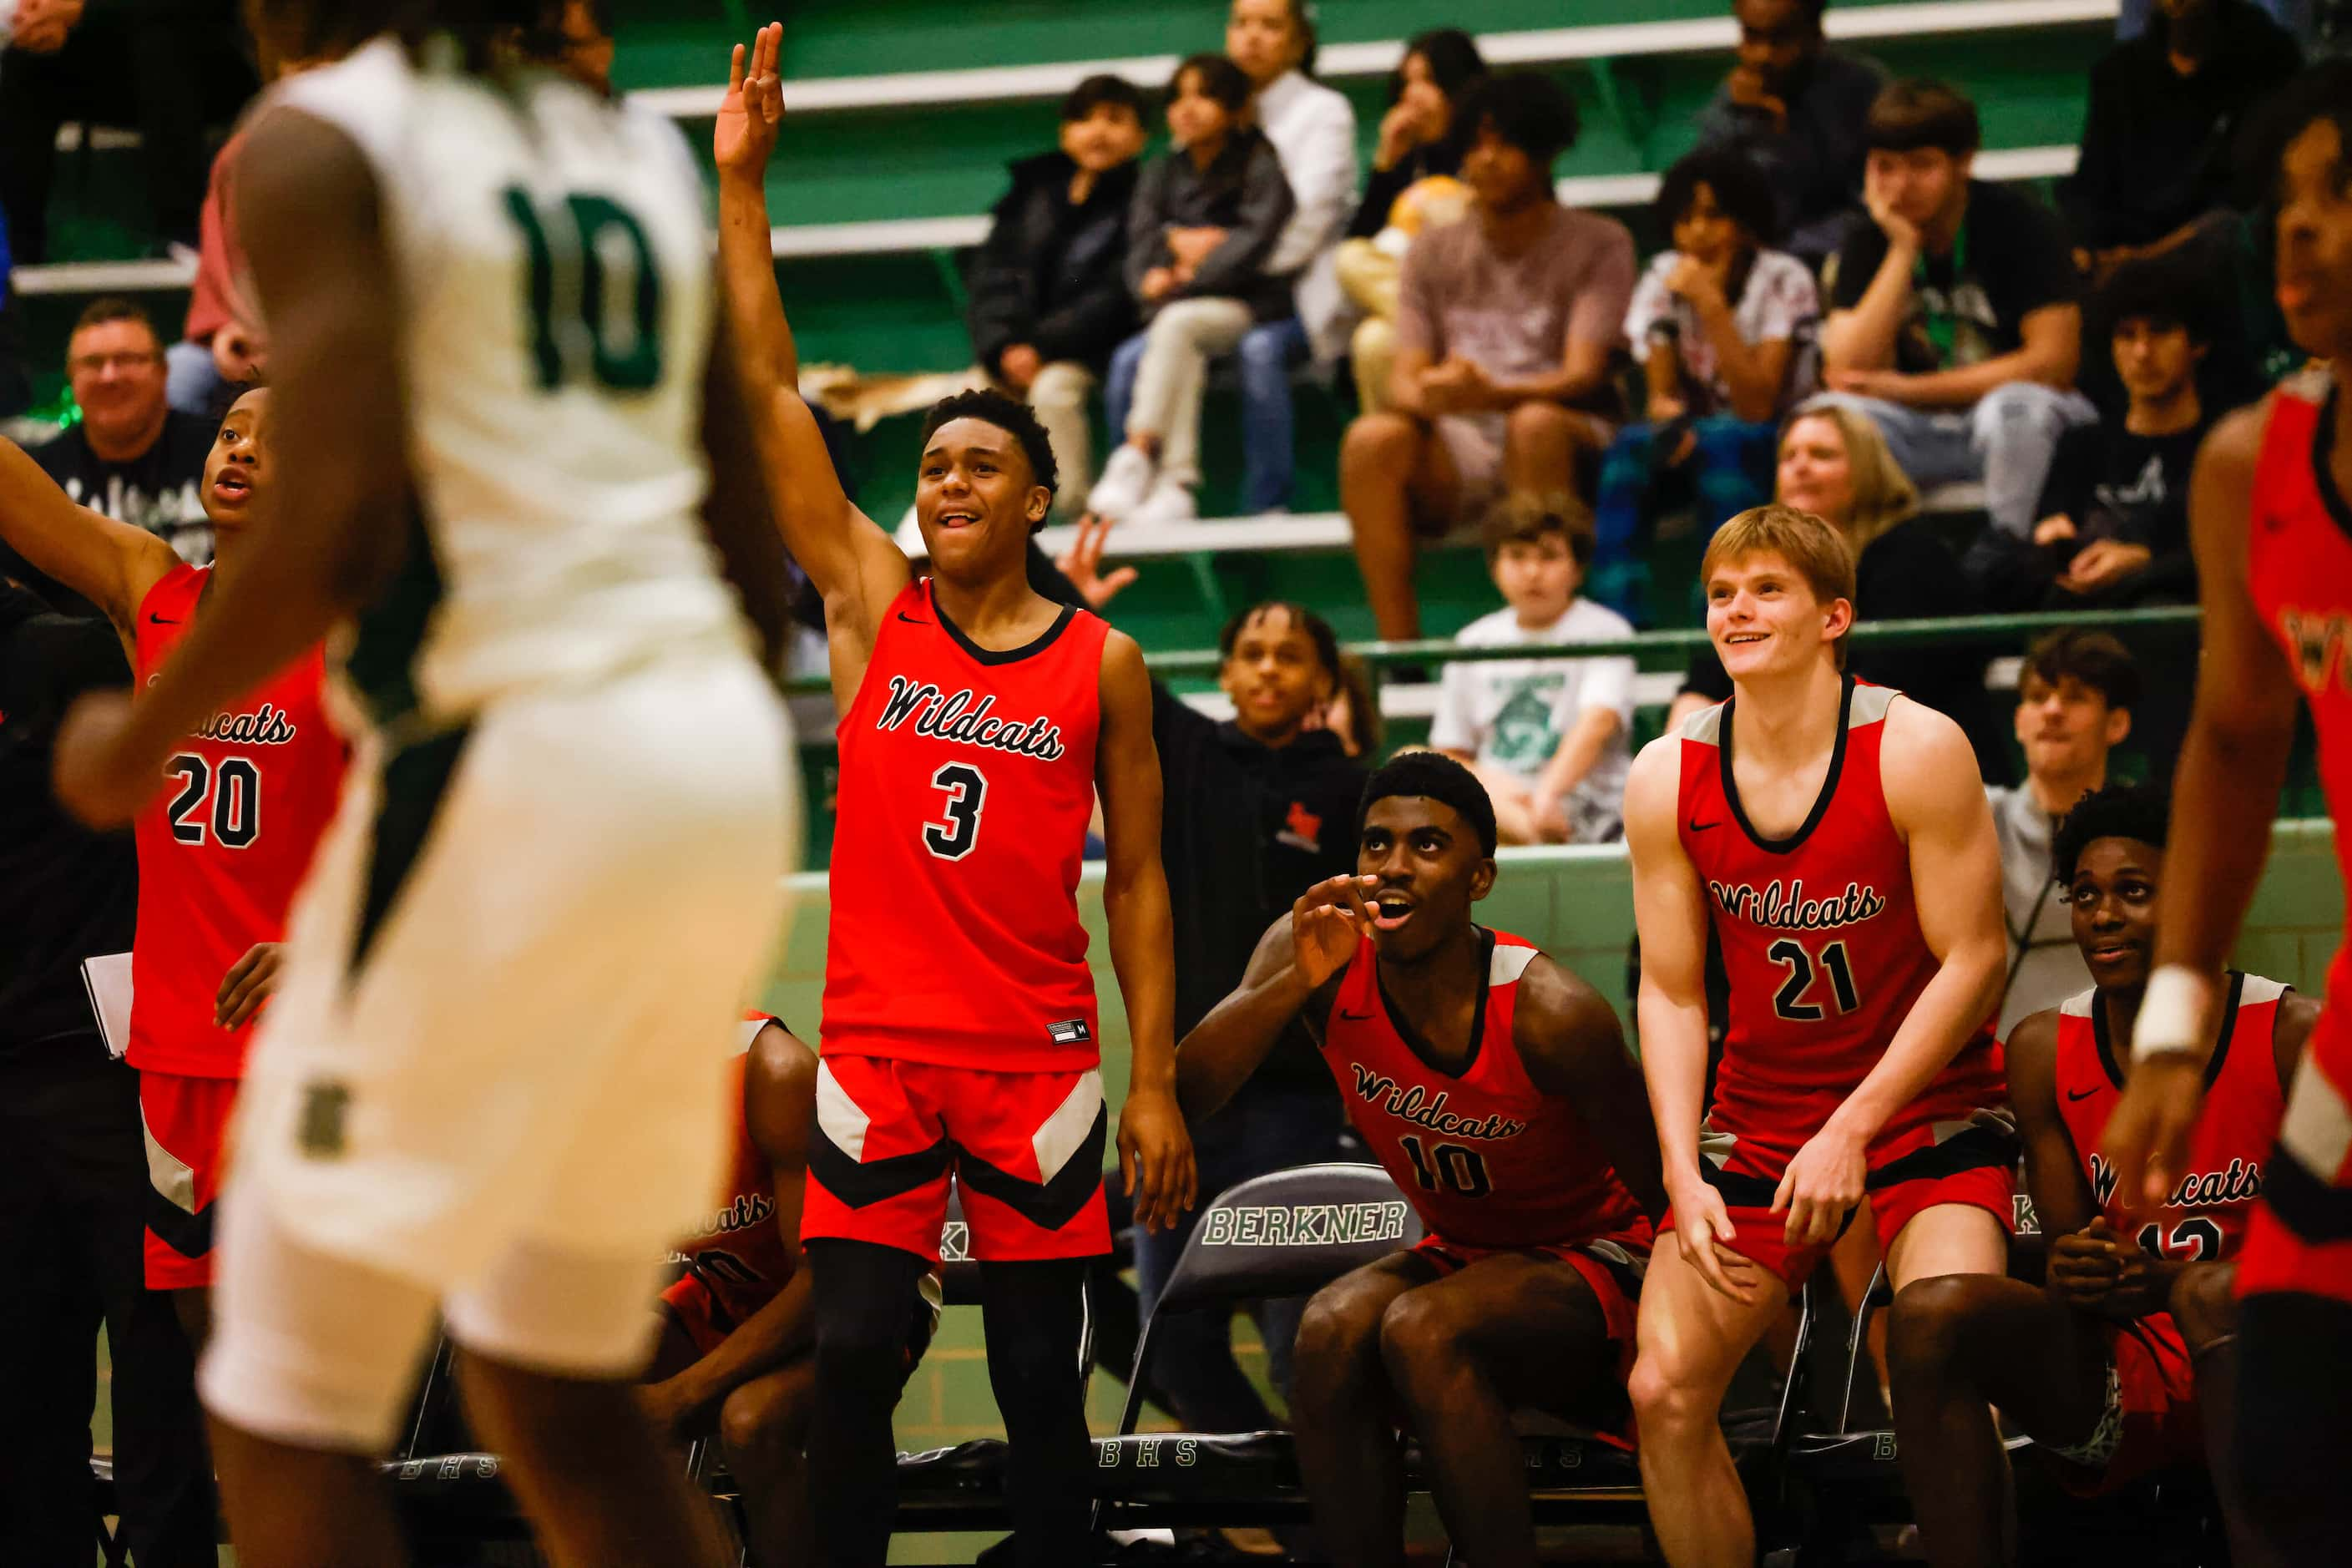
(491, 1082)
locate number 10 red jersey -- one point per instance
(967, 783)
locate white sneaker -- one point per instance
(1125, 480)
(1167, 501)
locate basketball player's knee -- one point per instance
(1338, 1337)
(1928, 1324)
(2204, 1306)
(759, 1419)
(1670, 1402)
(1421, 1341)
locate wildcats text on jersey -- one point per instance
(2241, 1182)
(267, 725)
(1414, 1103)
(958, 718)
(1789, 910)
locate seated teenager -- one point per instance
(2122, 1365)
(735, 1358)
(1537, 1185)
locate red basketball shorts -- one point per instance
(1974, 1168)
(2300, 1239)
(2150, 1422)
(1025, 1149)
(184, 1119)
(1611, 1265)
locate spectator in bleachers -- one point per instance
(2075, 697)
(2113, 514)
(1835, 465)
(1415, 184)
(162, 67)
(1547, 737)
(1797, 107)
(1506, 323)
(2302, 19)
(73, 1169)
(131, 455)
(1723, 327)
(1313, 128)
(1205, 219)
(1955, 322)
(2164, 109)
(586, 30)
(1049, 297)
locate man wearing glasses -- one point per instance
(130, 456)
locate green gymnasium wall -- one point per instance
(1574, 903)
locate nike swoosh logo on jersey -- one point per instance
(1703, 826)
(2072, 1095)
(157, 620)
(1354, 1017)
(911, 620)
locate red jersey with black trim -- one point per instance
(739, 1253)
(967, 783)
(2204, 1217)
(2299, 574)
(1487, 1159)
(223, 848)
(1820, 942)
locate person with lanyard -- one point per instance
(1954, 316)
(2076, 699)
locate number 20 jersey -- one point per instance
(1821, 943)
(966, 784)
(551, 263)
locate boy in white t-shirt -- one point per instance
(1546, 736)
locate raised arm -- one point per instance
(1574, 1049)
(735, 508)
(2225, 792)
(111, 564)
(1861, 336)
(779, 1109)
(1153, 1146)
(852, 563)
(1670, 914)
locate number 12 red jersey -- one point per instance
(223, 848)
(967, 783)
(1820, 941)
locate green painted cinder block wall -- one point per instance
(1577, 904)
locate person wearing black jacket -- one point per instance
(1049, 295)
(73, 1171)
(1257, 809)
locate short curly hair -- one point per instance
(2142, 812)
(1010, 415)
(1436, 777)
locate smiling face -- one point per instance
(1764, 619)
(1275, 676)
(2112, 902)
(2315, 241)
(1430, 868)
(1263, 39)
(975, 499)
(1816, 472)
(117, 371)
(238, 466)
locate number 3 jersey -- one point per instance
(1820, 938)
(1487, 1159)
(223, 848)
(967, 783)
(2204, 1216)
(552, 264)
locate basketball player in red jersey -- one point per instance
(733, 1361)
(1844, 855)
(977, 722)
(2270, 523)
(2125, 1364)
(220, 852)
(1496, 1088)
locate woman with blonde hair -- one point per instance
(1834, 464)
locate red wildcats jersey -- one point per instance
(738, 1253)
(1819, 935)
(1487, 1160)
(2204, 1218)
(224, 847)
(2299, 572)
(967, 782)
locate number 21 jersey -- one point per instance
(967, 783)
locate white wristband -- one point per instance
(2172, 1013)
